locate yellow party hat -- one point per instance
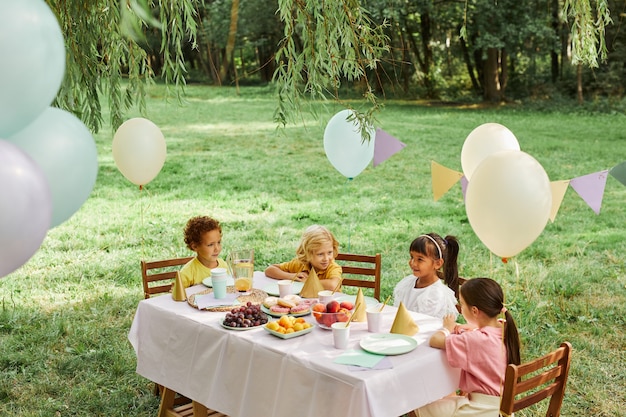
(359, 313)
(178, 290)
(311, 286)
(403, 323)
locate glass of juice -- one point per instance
(242, 264)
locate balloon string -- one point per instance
(141, 216)
(349, 218)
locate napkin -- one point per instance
(359, 358)
(360, 314)
(208, 300)
(312, 285)
(178, 290)
(403, 323)
(385, 363)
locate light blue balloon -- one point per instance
(25, 207)
(32, 62)
(66, 152)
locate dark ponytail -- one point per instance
(450, 267)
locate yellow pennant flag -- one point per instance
(558, 192)
(443, 179)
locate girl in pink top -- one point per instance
(481, 348)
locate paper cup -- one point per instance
(219, 278)
(325, 296)
(341, 334)
(374, 317)
(284, 287)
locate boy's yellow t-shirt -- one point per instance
(193, 272)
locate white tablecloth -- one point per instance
(253, 373)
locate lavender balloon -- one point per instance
(25, 207)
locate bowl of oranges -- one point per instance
(289, 326)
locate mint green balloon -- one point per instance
(32, 57)
(65, 150)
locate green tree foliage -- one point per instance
(106, 52)
(325, 43)
(311, 49)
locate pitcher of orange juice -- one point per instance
(242, 265)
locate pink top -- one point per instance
(481, 355)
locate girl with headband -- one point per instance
(424, 291)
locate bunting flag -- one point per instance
(385, 146)
(619, 172)
(464, 183)
(443, 179)
(590, 188)
(558, 192)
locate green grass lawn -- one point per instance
(65, 315)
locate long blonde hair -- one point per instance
(312, 239)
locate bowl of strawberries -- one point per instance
(332, 312)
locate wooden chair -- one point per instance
(168, 407)
(534, 381)
(158, 276)
(361, 271)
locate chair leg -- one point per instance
(167, 402)
(199, 410)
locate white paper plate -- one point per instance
(240, 328)
(290, 335)
(272, 289)
(208, 283)
(388, 344)
(273, 314)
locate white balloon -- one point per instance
(33, 62)
(344, 145)
(66, 152)
(25, 207)
(483, 141)
(508, 202)
(139, 150)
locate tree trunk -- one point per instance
(491, 81)
(468, 65)
(556, 27)
(579, 83)
(230, 43)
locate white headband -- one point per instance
(435, 242)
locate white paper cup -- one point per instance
(325, 296)
(374, 317)
(218, 279)
(341, 334)
(284, 287)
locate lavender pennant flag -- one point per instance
(385, 146)
(590, 188)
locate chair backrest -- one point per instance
(361, 271)
(158, 276)
(534, 381)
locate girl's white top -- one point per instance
(436, 300)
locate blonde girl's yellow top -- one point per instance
(333, 270)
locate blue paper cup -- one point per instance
(219, 278)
